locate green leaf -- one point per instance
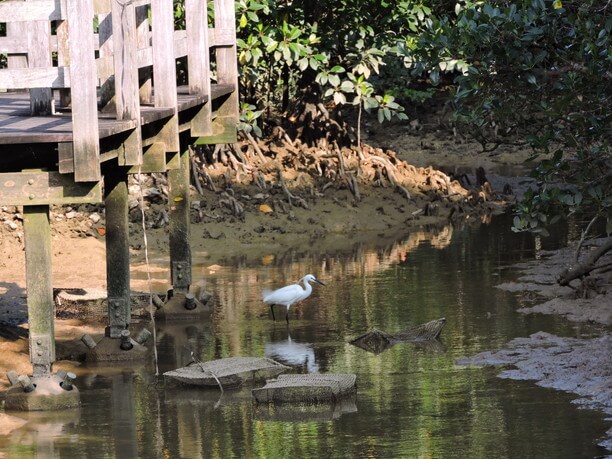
(252, 16)
(347, 86)
(370, 102)
(334, 80)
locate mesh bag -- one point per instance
(228, 372)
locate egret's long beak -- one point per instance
(319, 282)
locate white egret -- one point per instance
(290, 294)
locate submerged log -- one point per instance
(377, 341)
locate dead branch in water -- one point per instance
(585, 268)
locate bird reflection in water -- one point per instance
(293, 353)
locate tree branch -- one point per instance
(586, 267)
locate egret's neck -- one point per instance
(307, 286)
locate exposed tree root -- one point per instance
(300, 173)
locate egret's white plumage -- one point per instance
(290, 294)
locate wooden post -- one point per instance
(39, 55)
(127, 101)
(180, 248)
(225, 124)
(117, 252)
(83, 79)
(41, 308)
(107, 75)
(63, 57)
(164, 73)
(198, 63)
(144, 38)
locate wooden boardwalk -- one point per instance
(96, 90)
(18, 126)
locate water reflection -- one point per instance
(410, 402)
(306, 412)
(293, 353)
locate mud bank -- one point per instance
(579, 366)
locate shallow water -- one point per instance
(412, 400)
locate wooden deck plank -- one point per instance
(17, 127)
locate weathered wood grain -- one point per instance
(127, 98)
(164, 70)
(85, 140)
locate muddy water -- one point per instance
(412, 400)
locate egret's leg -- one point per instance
(272, 309)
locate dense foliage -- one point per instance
(532, 71)
(539, 71)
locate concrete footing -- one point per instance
(111, 350)
(48, 393)
(182, 306)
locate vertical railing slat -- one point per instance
(105, 44)
(164, 69)
(125, 50)
(198, 62)
(144, 37)
(39, 55)
(85, 140)
(226, 121)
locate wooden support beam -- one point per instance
(180, 247)
(44, 188)
(27, 78)
(223, 131)
(153, 160)
(39, 10)
(117, 252)
(41, 308)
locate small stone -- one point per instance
(12, 225)
(95, 217)
(70, 215)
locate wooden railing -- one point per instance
(109, 67)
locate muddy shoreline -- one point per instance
(578, 365)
